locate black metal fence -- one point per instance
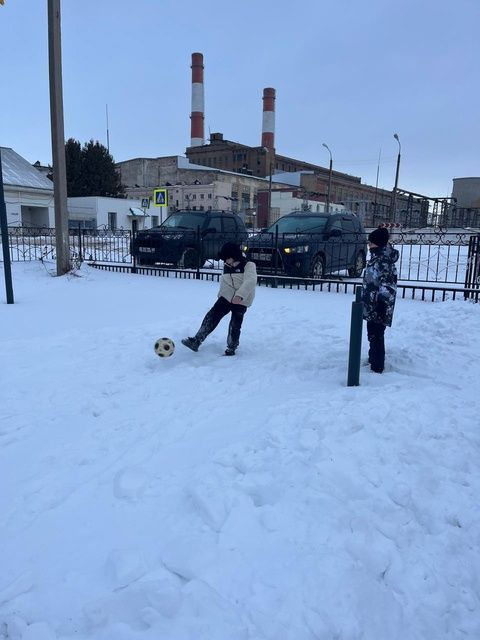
(103, 245)
(423, 257)
(405, 290)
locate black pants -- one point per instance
(376, 352)
(216, 313)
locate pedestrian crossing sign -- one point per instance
(160, 197)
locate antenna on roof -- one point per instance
(108, 135)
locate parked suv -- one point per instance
(188, 238)
(307, 244)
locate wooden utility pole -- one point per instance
(58, 137)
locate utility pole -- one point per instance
(329, 176)
(108, 133)
(394, 195)
(7, 267)
(376, 189)
(58, 137)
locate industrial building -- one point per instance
(370, 203)
(220, 173)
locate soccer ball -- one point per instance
(164, 347)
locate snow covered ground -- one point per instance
(249, 498)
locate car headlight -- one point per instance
(300, 249)
(244, 248)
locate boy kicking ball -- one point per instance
(236, 294)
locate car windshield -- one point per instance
(183, 221)
(299, 224)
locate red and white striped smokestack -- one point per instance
(268, 126)
(197, 137)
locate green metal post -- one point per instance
(355, 350)
(275, 259)
(134, 235)
(7, 267)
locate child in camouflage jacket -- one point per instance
(379, 292)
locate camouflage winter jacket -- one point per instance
(380, 285)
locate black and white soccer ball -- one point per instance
(164, 347)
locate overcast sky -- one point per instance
(347, 73)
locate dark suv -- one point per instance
(307, 244)
(188, 238)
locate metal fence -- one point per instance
(405, 290)
(424, 257)
(102, 245)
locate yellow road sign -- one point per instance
(160, 197)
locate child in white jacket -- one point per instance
(237, 291)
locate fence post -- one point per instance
(355, 350)
(80, 250)
(275, 259)
(134, 235)
(199, 249)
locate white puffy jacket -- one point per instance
(239, 281)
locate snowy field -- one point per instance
(249, 498)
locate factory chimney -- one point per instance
(197, 137)
(268, 125)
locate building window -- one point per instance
(201, 207)
(154, 221)
(194, 196)
(112, 220)
(209, 196)
(202, 196)
(234, 200)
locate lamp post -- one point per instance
(394, 195)
(329, 176)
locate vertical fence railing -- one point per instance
(424, 257)
(472, 276)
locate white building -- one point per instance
(93, 212)
(28, 193)
(286, 200)
(201, 197)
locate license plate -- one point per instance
(261, 257)
(146, 249)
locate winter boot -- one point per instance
(191, 343)
(229, 351)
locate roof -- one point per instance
(18, 172)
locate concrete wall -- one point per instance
(467, 192)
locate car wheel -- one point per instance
(318, 267)
(356, 271)
(190, 259)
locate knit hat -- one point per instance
(379, 237)
(230, 250)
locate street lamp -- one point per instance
(329, 176)
(394, 195)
